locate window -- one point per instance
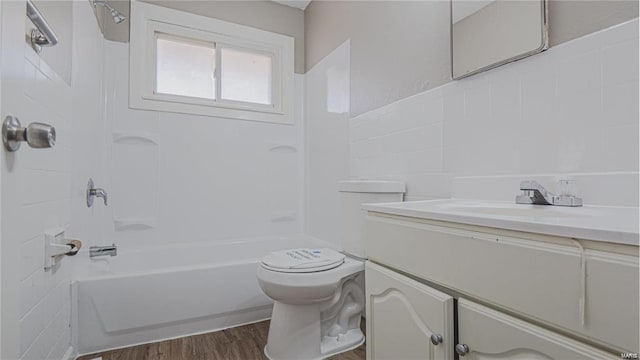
(245, 76)
(186, 63)
(185, 67)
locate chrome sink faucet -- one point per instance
(536, 194)
(111, 250)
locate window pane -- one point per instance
(246, 76)
(185, 68)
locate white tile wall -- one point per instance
(87, 134)
(87, 138)
(402, 141)
(49, 184)
(570, 112)
(45, 177)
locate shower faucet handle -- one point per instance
(93, 192)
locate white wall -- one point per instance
(87, 134)
(87, 138)
(175, 178)
(570, 112)
(327, 141)
(50, 190)
(45, 177)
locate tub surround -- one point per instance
(253, 172)
(327, 142)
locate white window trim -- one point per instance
(147, 20)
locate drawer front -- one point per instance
(489, 334)
(612, 299)
(403, 314)
(539, 280)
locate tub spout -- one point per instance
(111, 250)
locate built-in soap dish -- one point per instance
(134, 224)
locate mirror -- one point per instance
(489, 33)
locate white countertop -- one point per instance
(600, 223)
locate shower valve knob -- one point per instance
(93, 192)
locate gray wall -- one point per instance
(265, 15)
(398, 48)
(570, 19)
(401, 48)
(498, 31)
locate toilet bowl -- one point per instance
(317, 309)
(318, 294)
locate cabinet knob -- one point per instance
(436, 339)
(462, 349)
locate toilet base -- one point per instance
(345, 342)
(333, 345)
(295, 333)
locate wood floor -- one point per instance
(240, 343)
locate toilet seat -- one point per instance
(303, 260)
(309, 287)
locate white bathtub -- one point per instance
(171, 291)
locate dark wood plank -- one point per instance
(240, 343)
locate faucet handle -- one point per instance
(567, 194)
(93, 192)
(567, 200)
(101, 194)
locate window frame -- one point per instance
(148, 20)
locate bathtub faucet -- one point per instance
(111, 250)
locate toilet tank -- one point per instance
(354, 193)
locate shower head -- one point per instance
(115, 14)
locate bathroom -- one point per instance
(190, 190)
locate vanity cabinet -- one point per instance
(410, 320)
(406, 319)
(484, 333)
(543, 297)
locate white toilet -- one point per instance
(319, 293)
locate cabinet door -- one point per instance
(486, 334)
(403, 315)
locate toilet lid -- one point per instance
(303, 260)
